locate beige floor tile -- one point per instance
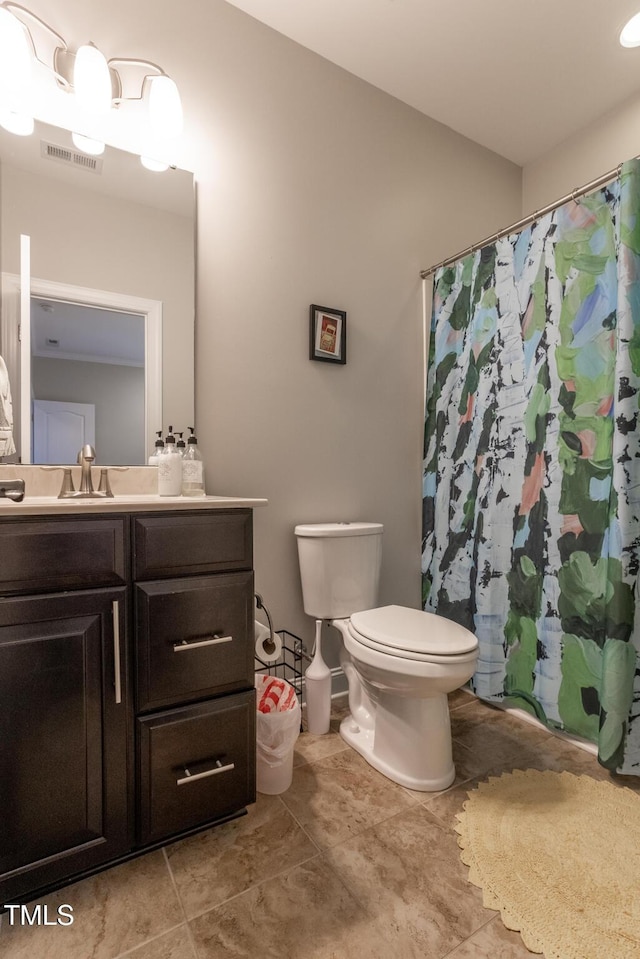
(339, 709)
(408, 871)
(493, 941)
(445, 806)
(113, 912)
(309, 748)
(340, 796)
(470, 722)
(486, 737)
(460, 697)
(537, 752)
(305, 914)
(215, 865)
(558, 754)
(176, 944)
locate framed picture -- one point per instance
(327, 334)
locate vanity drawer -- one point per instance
(194, 638)
(187, 544)
(37, 555)
(195, 764)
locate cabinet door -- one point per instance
(194, 638)
(63, 753)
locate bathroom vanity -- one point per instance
(127, 704)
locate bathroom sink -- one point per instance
(134, 489)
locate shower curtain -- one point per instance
(532, 466)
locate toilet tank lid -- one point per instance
(338, 529)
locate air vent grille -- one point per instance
(52, 151)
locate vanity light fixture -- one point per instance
(99, 100)
(630, 33)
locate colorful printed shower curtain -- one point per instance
(532, 466)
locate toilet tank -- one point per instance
(339, 567)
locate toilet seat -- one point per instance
(412, 634)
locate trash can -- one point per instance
(277, 728)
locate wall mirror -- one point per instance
(98, 305)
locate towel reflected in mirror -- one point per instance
(7, 445)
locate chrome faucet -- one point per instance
(12, 489)
(86, 456)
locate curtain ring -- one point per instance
(575, 195)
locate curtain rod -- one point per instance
(592, 185)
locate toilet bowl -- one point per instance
(400, 663)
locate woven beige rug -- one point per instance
(559, 856)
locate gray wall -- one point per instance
(313, 187)
(600, 147)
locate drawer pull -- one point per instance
(199, 643)
(116, 651)
(191, 777)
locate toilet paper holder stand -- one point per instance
(290, 664)
(269, 644)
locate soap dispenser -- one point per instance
(158, 449)
(192, 468)
(180, 445)
(170, 468)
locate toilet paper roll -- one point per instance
(267, 651)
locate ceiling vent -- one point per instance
(52, 151)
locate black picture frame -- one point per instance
(327, 334)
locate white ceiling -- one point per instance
(76, 331)
(517, 76)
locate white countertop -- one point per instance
(123, 503)
(135, 489)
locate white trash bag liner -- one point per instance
(277, 729)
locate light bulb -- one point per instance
(88, 145)
(630, 35)
(92, 80)
(19, 123)
(156, 166)
(16, 58)
(165, 107)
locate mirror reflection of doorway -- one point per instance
(85, 355)
(60, 430)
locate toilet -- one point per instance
(400, 663)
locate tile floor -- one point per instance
(345, 863)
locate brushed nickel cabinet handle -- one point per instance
(192, 777)
(199, 643)
(116, 650)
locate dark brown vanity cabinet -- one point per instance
(127, 709)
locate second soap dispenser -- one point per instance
(170, 468)
(192, 468)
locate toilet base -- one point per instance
(411, 746)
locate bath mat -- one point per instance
(559, 856)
